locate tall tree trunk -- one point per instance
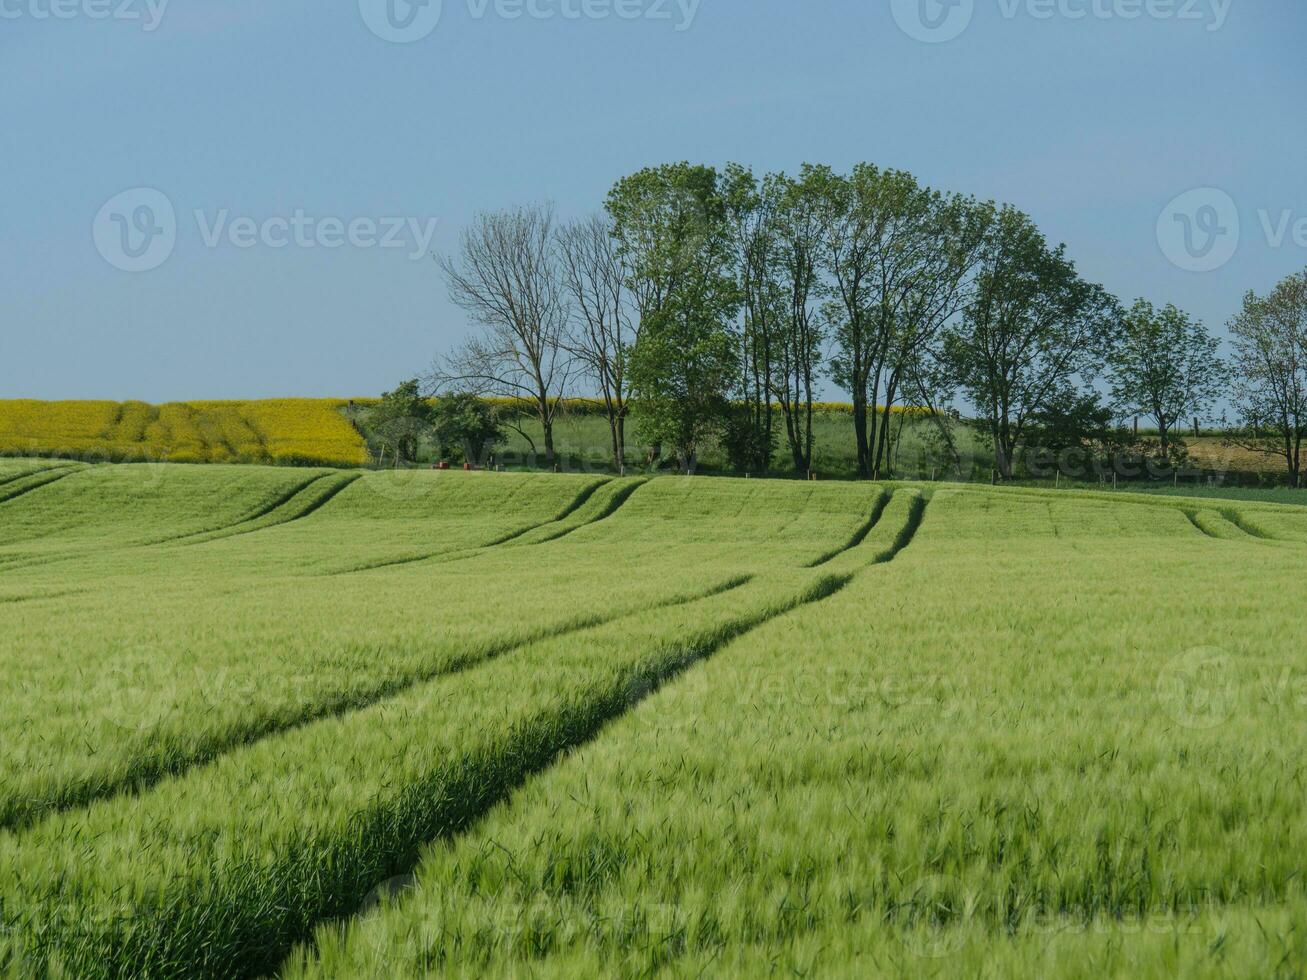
(1003, 450)
(882, 450)
(860, 432)
(807, 412)
(874, 429)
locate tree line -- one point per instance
(711, 304)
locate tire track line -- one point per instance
(458, 554)
(208, 534)
(15, 815)
(523, 758)
(239, 530)
(859, 536)
(44, 480)
(613, 506)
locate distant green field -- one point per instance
(584, 441)
(269, 721)
(1268, 495)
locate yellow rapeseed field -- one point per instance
(285, 430)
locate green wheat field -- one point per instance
(323, 723)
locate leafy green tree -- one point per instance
(798, 270)
(1270, 360)
(399, 423)
(900, 257)
(670, 224)
(753, 227)
(1074, 431)
(466, 428)
(1034, 331)
(1166, 367)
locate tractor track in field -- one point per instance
(612, 507)
(13, 600)
(859, 536)
(609, 509)
(148, 772)
(458, 554)
(1193, 518)
(342, 484)
(448, 798)
(259, 513)
(218, 533)
(43, 479)
(35, 471)
(1228, 519)
(1242, 523)
(526, 762)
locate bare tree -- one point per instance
(506, 277)
(1270, 359)
(604, 328)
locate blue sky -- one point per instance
(1092, 115)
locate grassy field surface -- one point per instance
(263, 721)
